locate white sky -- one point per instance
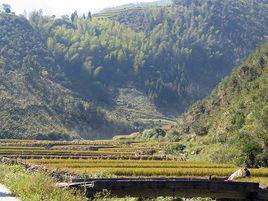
(60, 7)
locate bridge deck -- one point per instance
(155, 187)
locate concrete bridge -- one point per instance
(174, 187)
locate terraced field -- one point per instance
(116, 150)
(145, 168)
(117, 159)
(115, 12)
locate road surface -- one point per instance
(6, 194)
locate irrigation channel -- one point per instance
(188, 188)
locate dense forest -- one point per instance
(68, 75)
(188, 48)
(175, 54)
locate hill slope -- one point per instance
(43, 100)
(95, 77)
(174, 54)
(234, 117)
(33, 102)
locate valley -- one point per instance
(160, 92)
(70, 72)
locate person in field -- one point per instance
(239, 174)
(247, 172)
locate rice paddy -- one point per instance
(140, 168)
(118, 159)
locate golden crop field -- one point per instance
(110, 158)
(146, 168)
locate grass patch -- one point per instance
(34, 187)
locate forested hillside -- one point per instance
(120, 71)
(174, 54)
(33, 102)
(234, 117)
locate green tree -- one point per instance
(251, 150)
(89, 16)
(6, 8)
(74, 16)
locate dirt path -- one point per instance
(6, 194)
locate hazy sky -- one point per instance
(60, 7)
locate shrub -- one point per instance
(153, 134)
(249, 148)
(200, 130)
(172, 136)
